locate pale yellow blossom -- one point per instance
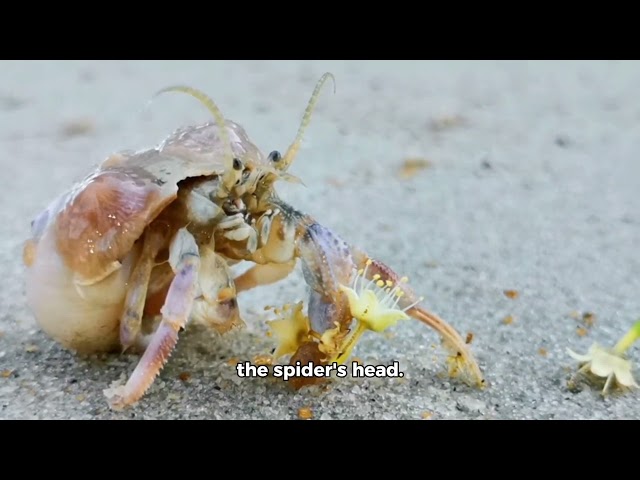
(610, 363)
(291, 329)
(374, 305)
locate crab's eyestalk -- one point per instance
(288, 158)
(232, 166)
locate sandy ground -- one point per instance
(531, 186)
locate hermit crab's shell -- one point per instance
(98, 221)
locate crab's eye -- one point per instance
(275, 156)
(237, 164)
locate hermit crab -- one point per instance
(145, 244)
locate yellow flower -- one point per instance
(368, 309)
(291, 329)
(374, 305)
(610, 363)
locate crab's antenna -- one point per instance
(288, 157)
(231, 172)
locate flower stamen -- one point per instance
(374, 306)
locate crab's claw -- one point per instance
(352, 293)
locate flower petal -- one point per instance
(291, 330)
(604, 364)
(384, 318)
(369, 299)
(625, 377)
(578, 357)
(354, 299)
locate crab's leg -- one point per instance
(260, 275)
(185, 261)
(138, 284)
(216, 304)
(326, 264)
(453, 341)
